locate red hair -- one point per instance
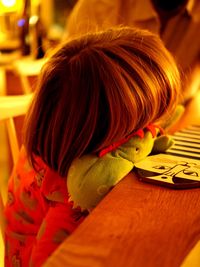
(95, 90)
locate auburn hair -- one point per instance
(95, 90)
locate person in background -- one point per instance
(177, 22)
(96, 91)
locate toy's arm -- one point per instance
(176, 116)
(163, 142)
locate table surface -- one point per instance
(136, 224)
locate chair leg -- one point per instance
(25, 84)
(12, 139)
(2, 81)
(2, 220)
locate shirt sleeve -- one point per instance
(60, 221)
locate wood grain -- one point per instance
(136, 225)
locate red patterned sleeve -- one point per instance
(60, 220)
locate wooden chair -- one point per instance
(10, 107)
(26, 68)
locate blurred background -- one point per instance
(28, 29)
(21, 19)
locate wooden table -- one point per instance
(136, 225)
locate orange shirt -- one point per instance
(38, 213)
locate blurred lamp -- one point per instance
(11, 6)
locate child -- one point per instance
(95, 91)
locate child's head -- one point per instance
(97, 89)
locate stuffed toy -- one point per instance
(91, 177)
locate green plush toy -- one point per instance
(91, 177)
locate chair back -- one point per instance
(10, 107)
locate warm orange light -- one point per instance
(8, 3)
(9, 6)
